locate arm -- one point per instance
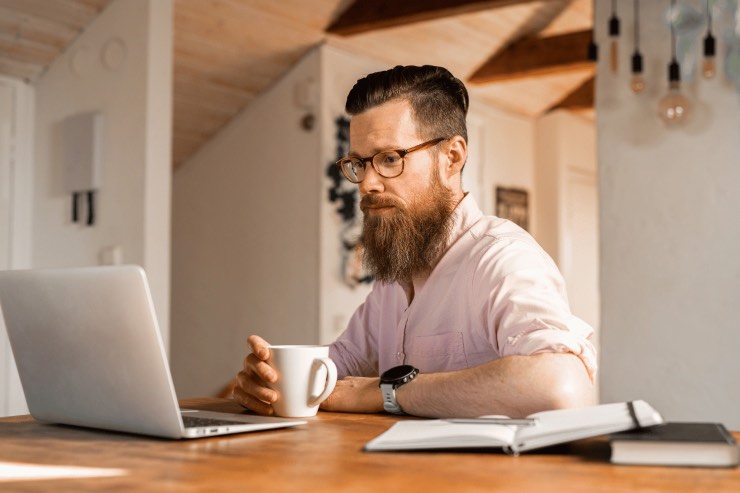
(514, 386)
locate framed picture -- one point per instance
(513, 204)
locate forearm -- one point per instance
(514, 386)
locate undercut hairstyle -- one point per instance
(439, 100)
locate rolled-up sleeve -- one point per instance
(526, 305)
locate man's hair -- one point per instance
(439, 100)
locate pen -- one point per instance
(494, 421)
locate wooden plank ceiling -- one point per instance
(524, 56)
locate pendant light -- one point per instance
(709, 67)
(614, 35)
(674, 107)
(637, 82)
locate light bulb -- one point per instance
(614, 45)
(674, 107)
(709, 67)
(637, 83)
(614, 55)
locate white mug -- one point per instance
(305, 378)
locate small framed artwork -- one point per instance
(513, 204)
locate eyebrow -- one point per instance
(376, 150)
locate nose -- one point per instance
(372, 183)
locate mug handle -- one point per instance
(331, 380)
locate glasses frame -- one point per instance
(402, 153)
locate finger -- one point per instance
(258, 346)
(251, 403)
(257, 367)
(251, 385)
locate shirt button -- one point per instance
(399, 356)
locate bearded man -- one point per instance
(468, 315)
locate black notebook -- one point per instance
(676, 444)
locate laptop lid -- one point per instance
(89, 351)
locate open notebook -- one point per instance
(538, 430)
(89, 353)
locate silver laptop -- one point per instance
(89, 353)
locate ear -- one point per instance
(457, 155)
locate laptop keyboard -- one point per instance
(193, 422)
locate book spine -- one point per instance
(726, 434)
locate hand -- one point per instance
(251, 389)
(355, 395)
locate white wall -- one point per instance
(121, 65)
(16, 133)
(670, 235)
(246, 237)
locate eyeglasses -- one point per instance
(388, 164)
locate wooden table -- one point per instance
(324, 456)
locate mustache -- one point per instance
(372, 201)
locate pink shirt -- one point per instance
(494, 293)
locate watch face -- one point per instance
(397, 373)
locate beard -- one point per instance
(410, 240)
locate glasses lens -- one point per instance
(353, 169)
(389, 164)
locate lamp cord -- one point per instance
(637, 25)
(709, 18)
(673, 32)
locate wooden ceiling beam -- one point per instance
(533, 57)
(370, 15)
(581, 98)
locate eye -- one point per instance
(388, 159)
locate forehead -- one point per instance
(390, 125)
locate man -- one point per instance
(468, 315)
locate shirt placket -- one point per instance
(401, 337)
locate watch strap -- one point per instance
(390, 404)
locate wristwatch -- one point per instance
(390, 380)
